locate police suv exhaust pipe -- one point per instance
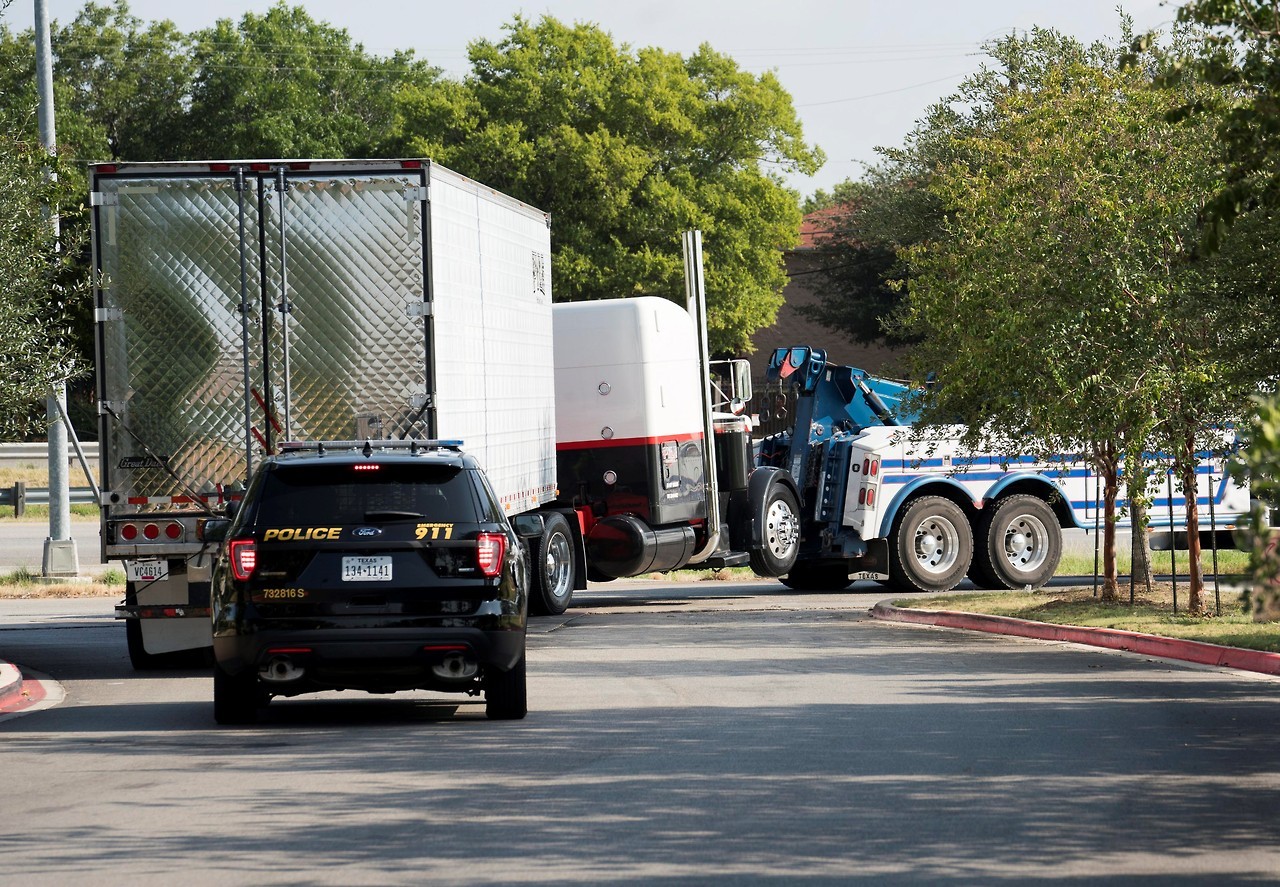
(455, 667)
(280, 670)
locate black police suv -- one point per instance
(377, 566)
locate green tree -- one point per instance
(627, 149)
(121, 84)
(43, 288)
(1058, 307)
(1239, 49)
(893, 208)
(281, 84)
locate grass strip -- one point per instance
(1225, 623)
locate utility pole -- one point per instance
(59, 549)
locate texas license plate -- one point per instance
(147, 571)
(366, 569)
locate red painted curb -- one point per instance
(11, 690)
(1110, 638)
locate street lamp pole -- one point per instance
(59, 549)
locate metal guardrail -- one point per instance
(19, 496)
(38, 452)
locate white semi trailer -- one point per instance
(243, 304)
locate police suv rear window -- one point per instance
(367, 492)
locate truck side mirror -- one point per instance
(528, 524)
(213, 529)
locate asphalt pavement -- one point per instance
(22, 545)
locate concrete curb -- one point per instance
(1110, 638)
(10, 685)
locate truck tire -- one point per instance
(552, 568)
(236, 698)
(139, 658)
(931, 547)
(781, 543)
(817, 577)
(505, 693)
(1020, 544)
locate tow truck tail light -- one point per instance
(490, 549)
(244, 558)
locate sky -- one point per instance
(860, 72)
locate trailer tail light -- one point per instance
(129, 532)
(490, 548)
(244, 558)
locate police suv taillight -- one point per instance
(490, 548)
(243, 554)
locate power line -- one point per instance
(872, 95)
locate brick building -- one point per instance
(792, 329)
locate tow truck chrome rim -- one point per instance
(1026, 542)
(558, 566)
(781, 528)
(937, 544)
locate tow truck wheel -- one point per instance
(932, 546)
(780, 546)
(552, 568)
(1021, 544)
(505, 693)
(236, 697)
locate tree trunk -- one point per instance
(1190, 492)
(1140, 571)
(1109, 468)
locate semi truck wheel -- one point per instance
(552, 568)
(1020, 544)
(932, 546)
(139, 658)
(506, 694)
(781, 543)
(236, 697)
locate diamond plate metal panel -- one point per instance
(172, 355)
(353, 255)
(343, 247)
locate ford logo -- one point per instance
(366, 531)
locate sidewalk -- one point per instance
(1109, 638)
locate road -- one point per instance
(712, 733)
(22, 545)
